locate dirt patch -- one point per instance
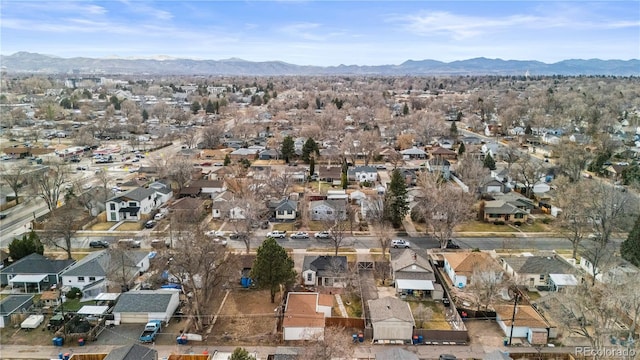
(248, 317)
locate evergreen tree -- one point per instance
(288, 149)
(195, 107)
(528, 130)
(453, 130)
(19, 248)
(405, 109)
(630, 248)
(145, 115)
(489, 163)
(312, 166)
(241, 354)
(461, 149)
(310, 147)
(344, 181)
(210, 108)
(396, 205)
(272, 268)
(227, 160)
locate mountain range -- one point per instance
(25, 62)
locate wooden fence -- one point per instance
(348, 323)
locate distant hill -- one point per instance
(24, 62)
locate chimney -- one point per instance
(414, 255)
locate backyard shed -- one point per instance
(140, 306)
(391, 319)
(11, 305)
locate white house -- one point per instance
(132, 204)
(528, 324)
(533, 271)
(163, 192)
(323, 210)
(90, 273)
(285, 209)
(141, 306)
(460, 266)
(363, 173)
(304, 315)
(391, 319)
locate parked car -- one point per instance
(159, 216)
(219, 240)
(452, 245)
(322, 235)
(216, 233)
(277, 234)
(150, 224)
(129, 243)
(99, 244)
(399, 243)
(234, 236)
(300, 235)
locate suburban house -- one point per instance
(363, 173)
(221, 203)
(132, 352)
(91, 272)
(492, 185)
(13, 305)
(244, 153)
(209, 186)
(34, 273)
(132, 205)
(269, 154)
(412, 274)
(188, 209)
(391, 319)
(534, 271)
(50, 298)
(617, 270)
(460, 266)
(443, 154)
(490, 149)
(330, 174)
(304, 315)
(500, 210)
(163, 191)
(190, 191)
(284, 210)
(413, 153)
(327, 210)
(140, 306)
(443, 166)
(528, 325)
(516, 199)
(324, 271)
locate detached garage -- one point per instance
(13, 305)
(138, 307)
(391, 319)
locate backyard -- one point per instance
(437, 320)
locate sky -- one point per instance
(324, 33)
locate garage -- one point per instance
(392, 320)
(138, 307)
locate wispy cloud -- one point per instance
(302, 30)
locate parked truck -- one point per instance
(151, 330)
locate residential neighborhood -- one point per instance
(242, 212)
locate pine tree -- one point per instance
(489, 163)
(453, 130)
(630, 248)
(288, 149)
(145, 115)
(405, 109)
(396, 205)
(195, 107)
(241, 354)
(19, 248)
(210, 108)
(227, 160)
(461, 149)
(310, 147)
(273, 267)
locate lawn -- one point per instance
(437, 321)
(480, 226)
(130, 226)
(290, 226)
(101, 226)
(72, 305)
(353, 306)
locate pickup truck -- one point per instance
(150, 331)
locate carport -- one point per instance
(28, 279)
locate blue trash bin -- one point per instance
(420, 339)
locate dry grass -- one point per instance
(130, 226)
(437, 320)
(102, 226)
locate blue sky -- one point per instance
(324, 32)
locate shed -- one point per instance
(140, 306)
(391, 319)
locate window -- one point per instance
(541, 276)
(112, 206)
(519, 216)
(92, 278)
(329, 212)
(80, 278)
(132, 204)
(309, 276)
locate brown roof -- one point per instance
(442, 151)
(301, 311)
(525, 316)
(466, 262)
(207, 183)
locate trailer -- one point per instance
(32, 322)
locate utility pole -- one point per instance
(515, 309)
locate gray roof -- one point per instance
(500, 207)
(325, 264)
(137, 194)
(12, 303)
(408, 258)
(143, 301)
(361, 169)
(37, 264)
(389, 308)
(396, 354)
(98, 263)
(287, 205)
(538, 265)
(132, 352)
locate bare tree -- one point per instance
(60, 228)
(486, 285)
(529, 171)
(379, 224)
(201, 266)
(212, 135)
(48, 183)
(180, 171)
(442, 206)
(511, 154)
(245, 213)
(333, 344)
(337, 231)
(190, 138)
(422, 314)
(572, 159)
(574, 222)
(472, 173)
(370, 144)
(15, 178)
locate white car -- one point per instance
(322, 235)
(277, 234)
(399, 243)
(87, 186)
(159, 216)
(215, 233)
(300, 235)
(221, 241)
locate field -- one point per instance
(247, 318)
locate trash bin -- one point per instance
(415, 339)
(420, 339)
(361, 337)
(60, 356)
(81, 342)
(67, 356)
(505, 341)
(355, 338)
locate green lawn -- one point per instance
(72, 305)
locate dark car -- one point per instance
(99, 244)
(2, 216)
(452, 245)
(150, 224)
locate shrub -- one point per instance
(517, 223)
(74, 293)
(546, 220)
(499, 222)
